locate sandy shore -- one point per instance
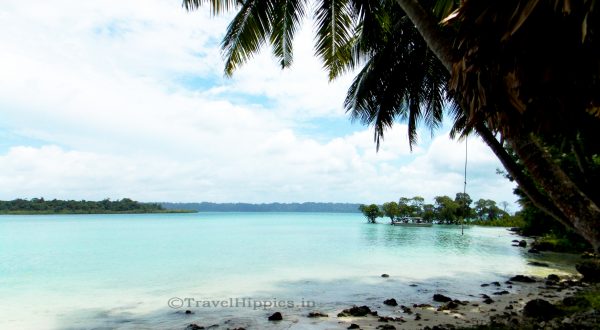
(502, 300)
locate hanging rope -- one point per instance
(462, 226)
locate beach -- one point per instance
(498, 302)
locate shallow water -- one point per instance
(119, 271)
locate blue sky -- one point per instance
(128, 99)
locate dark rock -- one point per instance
(390, 302)
(590, 269)
(276, 317)
(189, 312)
(495, 283)
(406, 310)
(484, 285)
(534, 250)
(413, 285)
(483, 295)
(541, 310)
(553, 278)
(317, 314)
(193, 326)
(508, 282)
(356, 311)
(422, 305)
(522, 243)
(515, 241)
(374, 313)
(488, 300)
(522, 278)
(385, 275)
(441, 298)
(417, 317)
(451, 305)
(385, 319)
(539, 264)
(353, 326)
(576, 301)
(386, 327)
(501, 292)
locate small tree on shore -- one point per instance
(390, 210)
(371, 212)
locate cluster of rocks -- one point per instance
(538, 312)
(358, 311)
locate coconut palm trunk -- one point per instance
(581, 211)
(568, 204)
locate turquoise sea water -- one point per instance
(119, 271)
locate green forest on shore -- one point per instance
(106, 206)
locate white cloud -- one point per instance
(99, 83)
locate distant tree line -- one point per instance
(444, 210)
(42, 206)
(266, 207)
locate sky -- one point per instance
(112, 99)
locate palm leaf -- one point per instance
(287, 16)
(216, 6)
(335, 30)
(247, 32)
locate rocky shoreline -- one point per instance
(520, 302)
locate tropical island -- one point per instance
(105, 206)
(548, 234)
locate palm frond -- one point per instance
(335, 30)
(247, 32)
(286, 20)
(402, 80)
(216, 6)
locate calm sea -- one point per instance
(123, 271)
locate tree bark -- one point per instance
(578, 208)
(430, 30)
(525, 183)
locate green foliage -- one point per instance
(446, 210)
(41, 206)
(449, 211)
(505, 221)
(562, 243)
(390, 210)
(463, 202)
(371, 212)
(486, 209)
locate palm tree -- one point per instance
(412, 66)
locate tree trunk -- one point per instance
(578, 208)
(525, 182)
(430, 30)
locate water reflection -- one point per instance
(440, 237)
(451, 240)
